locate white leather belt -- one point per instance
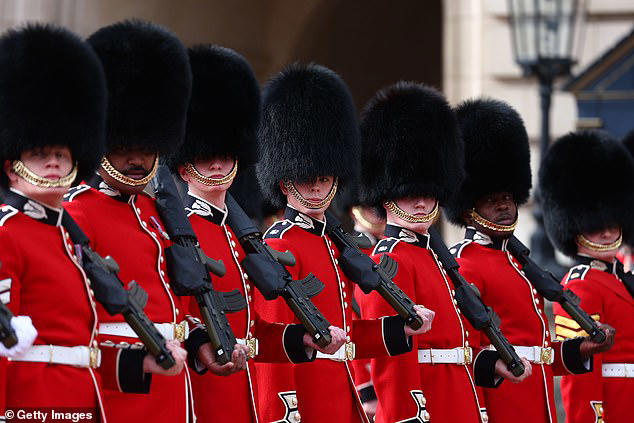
(79, 356)
(252, 344)
(618, 370)
(345, 353)
(537, 355)
(458, 355)
(169, 331)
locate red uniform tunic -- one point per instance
(325, 388)
(47, 283)
(128, 229)
(606, 393)
(447, 391)
(233, 398)
(503, 286)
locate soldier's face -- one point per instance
(605, 236)
(498, 208)
(215, 167)
(134, 163)
(313, 191)
(415, 206)
(51, 162)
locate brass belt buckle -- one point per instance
(350, 351)
(468, 355)
(94, 357)
(546, 356)
(252, 345)
(179, 331)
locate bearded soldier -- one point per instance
(52, 117)
(497, 164)
(149, 82)
(586, 184)
(309, 146)
(222, 123)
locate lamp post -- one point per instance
(542, 35)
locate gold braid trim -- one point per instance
(28, 175)
(391, 206)
(209, 181)
(309, 204)
(120, 177)
(485, 223)
(585, 242)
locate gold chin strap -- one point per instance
(391, 206)
(309, 204)
(209, 181)
(585, 242)
(120, 177)
(28, 175)
(357, 213)
(490, 225)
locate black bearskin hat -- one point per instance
(628, 141)
(586, 184)
(497, 154)
(309, 129)
(224, 110)
(410, 145)
(52, 92)
(149, 83)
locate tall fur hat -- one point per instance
(52, 92)
(586, 184)
(497, 154)
(309, 129)
(410, 145)
(149, 83)
(224, 110)
(628, 142)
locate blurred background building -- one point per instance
(462, 47)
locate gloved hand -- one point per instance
(26, 334)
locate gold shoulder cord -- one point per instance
(212, 182)
(120, 177)
(309, 204)
(28, 175)
(485, 223)
(391, 206)
(585, 242)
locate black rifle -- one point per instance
(188, 267)
(370, 276)
(7, 334)
(109, 291)
(480, 316)
(266, 269)
(549, 287)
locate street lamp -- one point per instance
(543, 33)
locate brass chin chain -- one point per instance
(120, 177)
(490, 225)
(357, 213)
(391, 206)
(209, 181)
(310, 204)
(28, 175)
(585, 242)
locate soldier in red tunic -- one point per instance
(626, 254)
(411, 162)
(586, 184)
(52, 116)
(309, 146)
(149, 82)
(497, 164)
(221, 133)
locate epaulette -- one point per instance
(457, 248)
(6, 212)
(75, 191)
(385, 246)
(577, 273)
(277, 229)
